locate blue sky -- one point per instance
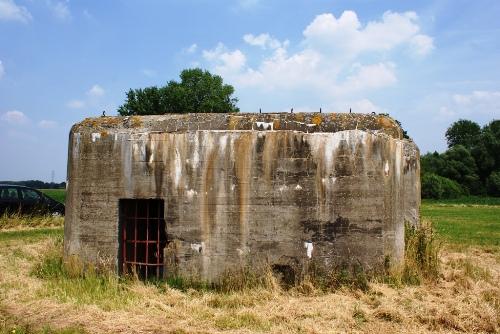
(425, 63)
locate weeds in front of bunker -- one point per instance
(421, 257)
(70, 280)
(243, 277)
(18, 221)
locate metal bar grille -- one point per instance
(142, 238)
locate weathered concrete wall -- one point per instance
(280, 188)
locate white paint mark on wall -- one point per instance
(222, 143)
(76, 149)
(95, 136)
(386, 168)
(191, 193)
(264, 125)
(233, 186)
(298, 187)
(399, 153)
(324, 146)
(178, 167)
(198, 246)
(127, 153)
(243, 251)
(153, 150)
(196, 156)
(283, 188)
(309, 248)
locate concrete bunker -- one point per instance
(196, 194)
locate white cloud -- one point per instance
(347, 35)
(477, 104)
(370, 77)
(95, 91)
(191, 49)
(226, 62)
(93, 99)
(444, 113)
(422, 45)
(60, 9)
(14, 117)
(9, 11)
(264, 41)
(365, 106)
(478, 97)
(45, 124)
(330, 59)
(76, 104)
(2, 70)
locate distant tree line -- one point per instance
(470, 165)
(37, 184)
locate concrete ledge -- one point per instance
(303, 122)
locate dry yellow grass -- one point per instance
(16, 221)
(465, 298)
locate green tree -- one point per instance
(437, 187)
(472, 161)
(493, 184)
(463, 132)
(461, 167)
(198, 92)
(432, 163)
(490, 138)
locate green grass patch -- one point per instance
(57, 194)
(71, 280)
(465, 225)
(469, 200)
(31, 235)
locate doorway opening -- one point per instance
(142, 238)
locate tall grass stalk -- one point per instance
(422, 248)
(16, 220)
(71, 280)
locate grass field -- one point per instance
(57, 194)
(39, 293)
(465, 224)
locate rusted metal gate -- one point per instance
(142, 238)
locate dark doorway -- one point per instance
(142, 238)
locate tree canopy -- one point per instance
(463, 132)
(198, 92)
(472, 162)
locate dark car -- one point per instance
(24, 200)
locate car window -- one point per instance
(30, 195)
(9, 193)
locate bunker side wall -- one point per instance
(238, 197)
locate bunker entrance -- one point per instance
(142, 238)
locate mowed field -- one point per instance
(39, 294)
(57, 194)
